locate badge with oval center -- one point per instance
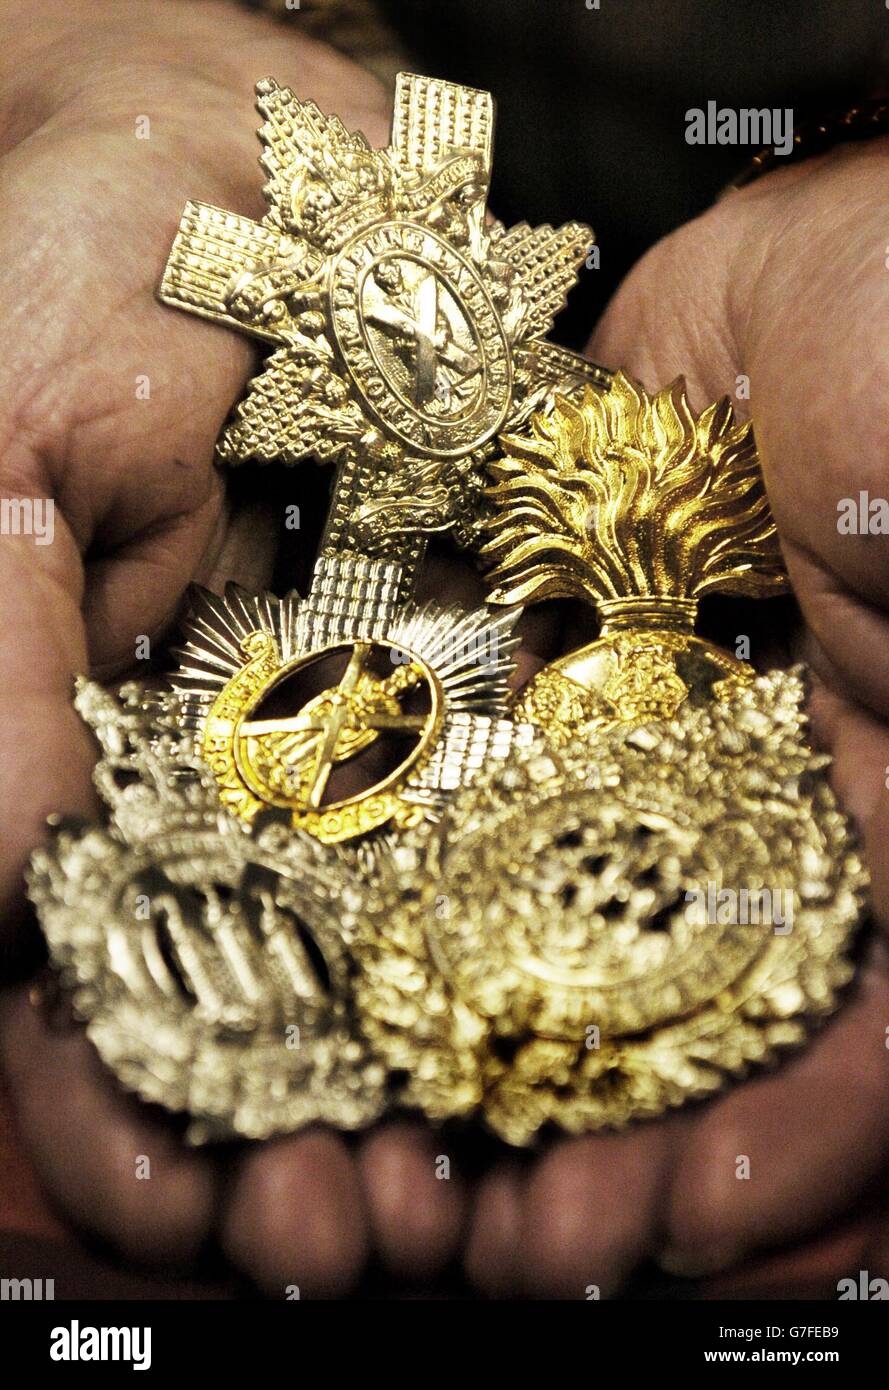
(407, 331)
(407, 327)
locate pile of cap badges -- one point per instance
(342, 867)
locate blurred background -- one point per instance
(592, 102)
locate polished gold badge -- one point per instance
(349, 710)
(211, 966)
(600, 933)
(407, 328)
(639, 507)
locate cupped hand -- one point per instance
(112, 115)
(780, 292)
(785, 284)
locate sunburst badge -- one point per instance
(348, 709)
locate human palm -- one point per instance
(88, 215)
(786, 286)
(786, 283)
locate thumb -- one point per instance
(781, 292)
(46, 752)
(670, 316)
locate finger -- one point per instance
(243, 550)
(295, 1218)
(876, 840)
(110, 1168)
(810, 1137)
(47, 751)
(492, 1260)
(857, 742)
(591, 1212)
(850, 636)
(415, 1200)
(812, 1269)
(135, 592)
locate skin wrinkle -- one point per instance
(832, 590)
(70, 583)
(200, 149)
(200, 484)
(18, 122)
(29, 424)
(22, 410)
(676, 335)
(161, 527)
(835, 294)
(852, 556)
(77, 45)
(743, 281)
(859, 742)
(105, 576)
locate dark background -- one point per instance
(591, 103)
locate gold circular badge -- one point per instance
(598, 933)
(263, 755)
(347, 711)
(598, 924)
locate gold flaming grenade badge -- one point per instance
(660, 891)
(637, 506)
